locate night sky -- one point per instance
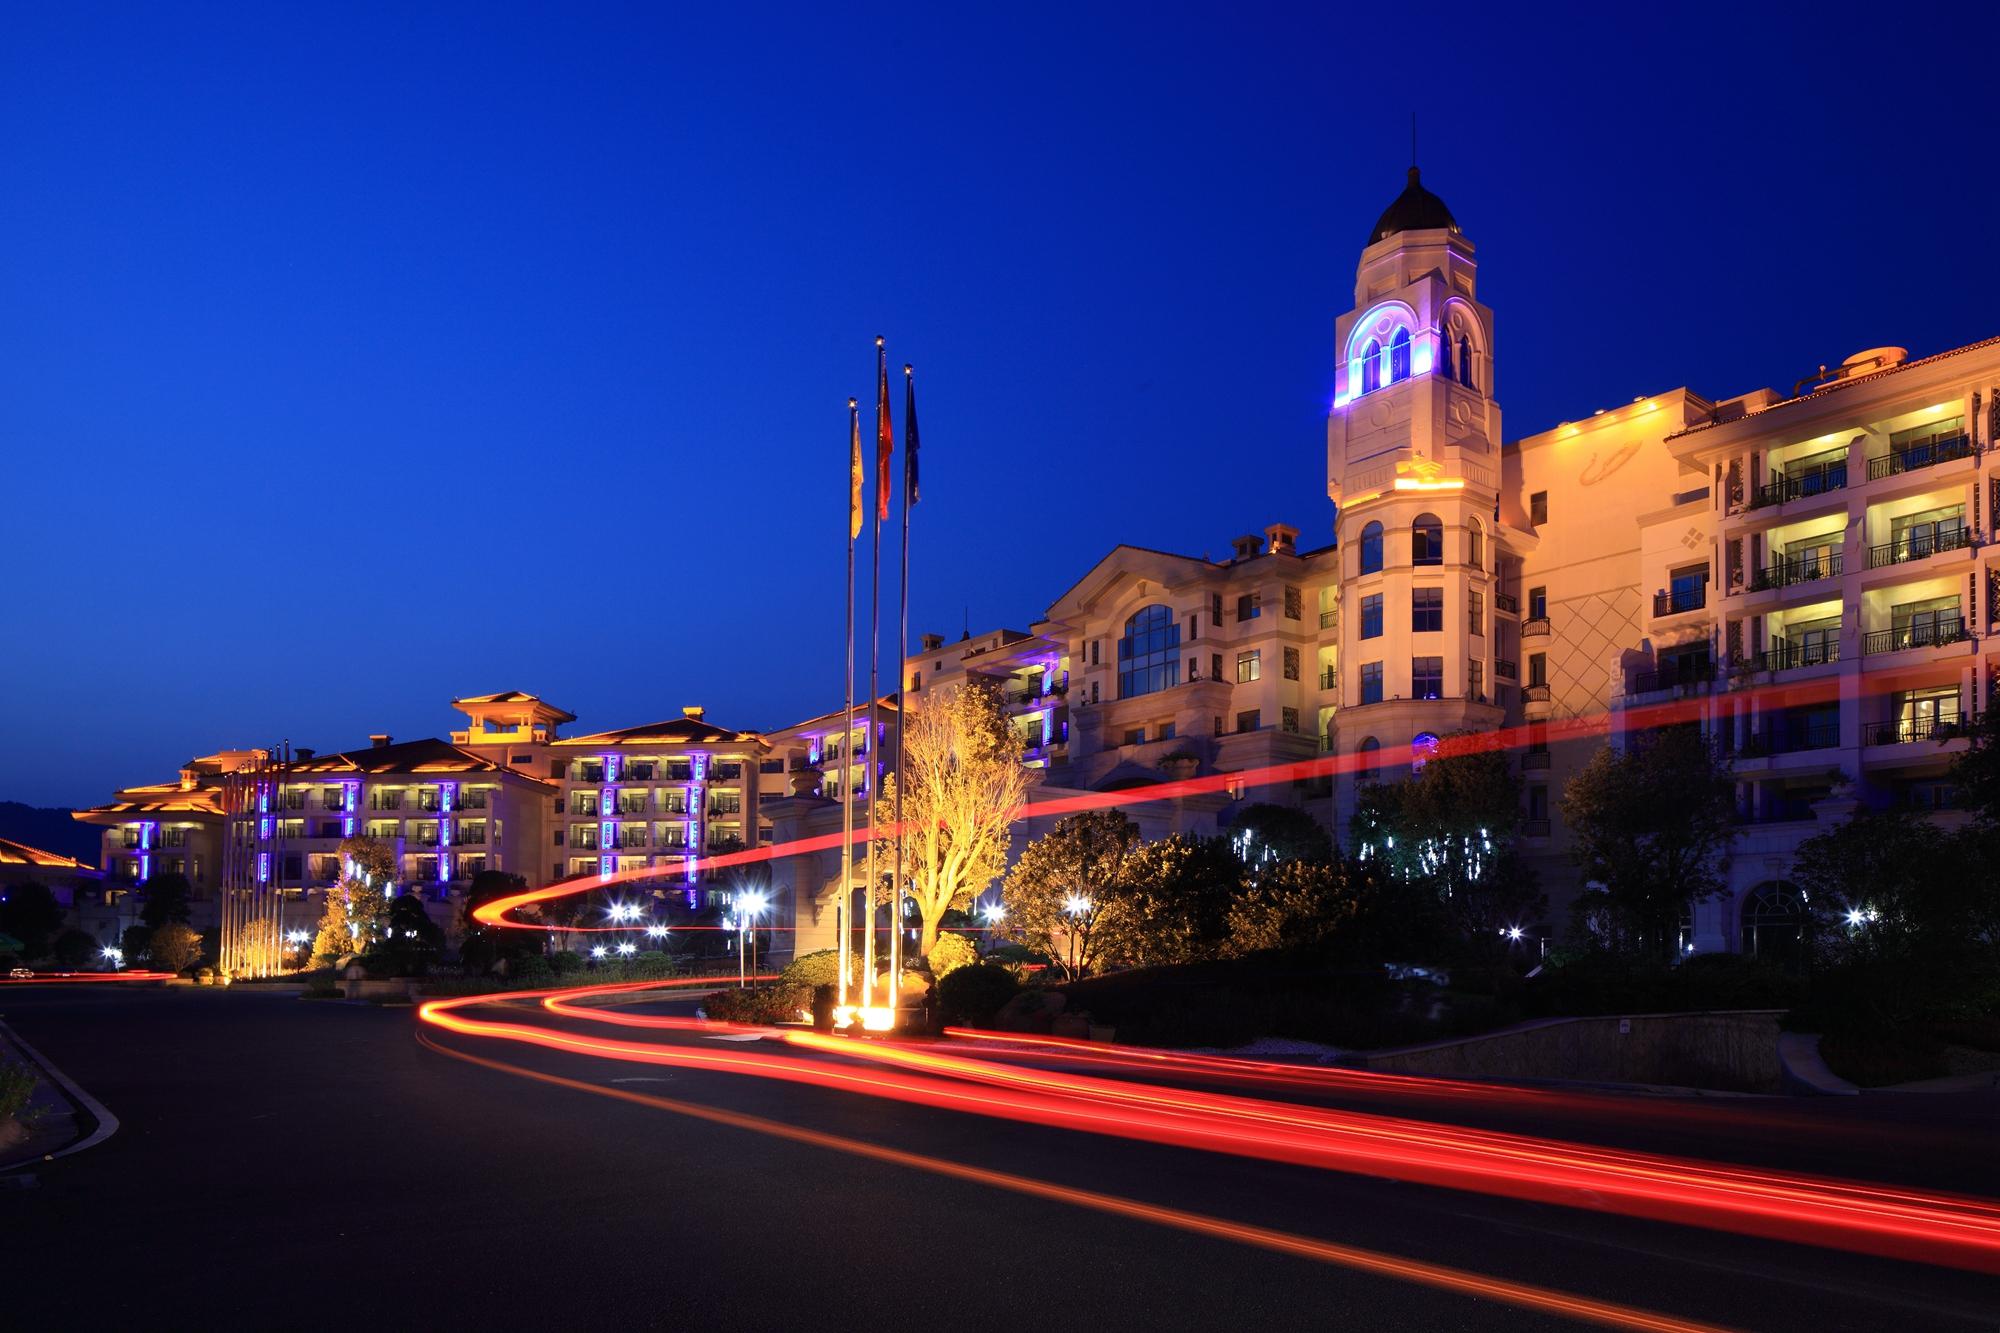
(350, 361)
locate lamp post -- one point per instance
(748, 908)
(1076, 907)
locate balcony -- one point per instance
(1928, 454)
(1329, 678)
(1820, 480)
(1918, 546)
(1535, 627)
(1786, 655)
(1534, 828)
(1673, 603)
(1808, 569)
(1505, 669)
(1688, 678)
(1329, 619)
(1534, 694)
(1908, 730)
(1508, 602)
(1534, 759)
(1921, 634)
(1326, 744)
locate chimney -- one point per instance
(303, 753)
(379, 739)
(694, 713)
(933, 642)
(1283, 538)
(1247, 546)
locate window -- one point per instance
(1538, 508)
(1687, 589)
(1538, 802)
(1249, 606)
(1371, 549)
(1426, 610)
(1366, 751)
(1149, 653)
(1927, 623)
(1215, 666)
(1475, 613)
(1290, 721)
(1194, 668)
(1164, 732)
(1249, 666)
(1295, 603)
(1538, 668)
(1426, 677)
(1538, 603)
(1399, 356)
(1475, 679)
(1249, 720)
(1135, 735)
(1215, 610)
(1291, 664)
(1371, 366)
(1371, 682)
(1427, 540)
(1464, 361)
(1093, 691)
(1475, 544)
(1915, 536)
(1371, 616)
(1193, 627)
(916, 682)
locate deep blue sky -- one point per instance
(353, 360)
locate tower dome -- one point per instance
(1415, 209)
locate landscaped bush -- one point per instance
(971, 995)
(779, 1002)
(1610, 982)
(813, 970)
(17, 1084)
(950, 953)
(565, 962)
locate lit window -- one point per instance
(1426, 677)
(1149, 653)
(1371, 366)
(1249, 666)
(1399, 356)
(1538, 508)
(1371, 549)
(1427, 540)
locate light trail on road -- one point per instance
(1458, 1281)
(1895, 1223)
(43, 977)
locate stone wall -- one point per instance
(1735, 1051)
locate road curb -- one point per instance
(106, 1124)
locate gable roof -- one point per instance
(676, 731)
(21, 854)
(429, 755)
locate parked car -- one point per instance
(21, 974)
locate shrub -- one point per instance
(949, 954)
(17, 1084)
(972, 994)
(174, 946)
(813, 970)
(74, 949)
(780, 1002)
(563, 962)
(651, 964)
(530, 967)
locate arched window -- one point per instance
(1371, 549)
(1399, 356)
(1774, 922)
(1475, 544)
(1427, 540)
(1149, 653)
(1371, 366)
(1465, 361)
(1446, 366)
(1423, 749)
(1366, 752)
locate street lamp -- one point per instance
(114, 956)
(1076, 907)
(656, 932)
(994, 913)
(749, 907)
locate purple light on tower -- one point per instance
(447, 794)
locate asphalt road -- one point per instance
(288, 1162)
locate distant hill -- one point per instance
(50, 830)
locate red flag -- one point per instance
(885, 440)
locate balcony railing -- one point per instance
(1785, 655)
(1534, 694)
(1692, 677)
(1535, 627)
(1675, 602)
(1928, 454)
(1505, 669)
(1535, 828)
(1325, 744)
(1918, 546)
(1806, 569)
(1328, 619)
(1507, 601)
(1533, 759)
(1813, 481)
(1922, 634)
(1904, 731)
(1329, 678)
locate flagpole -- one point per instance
(843, 916)
(874, 692)
(902, 680)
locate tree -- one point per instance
(1651, 825)
(173, 946)
(73, 949)
(965, 784)
(482, 944)
(1062, 882)
(167, 898)
(411, 941)
(354, 906)
(1447, 833)
(1171, 901)
(1293, 906)
(1265, 833)
(1976, 772)
(30, 913)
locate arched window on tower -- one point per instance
(1427, 540)
(1371, 366)
(1371, 549)
(1475, 544)
(1446, 367)
(1399, 356)
(1465, 361)
(1149, 652)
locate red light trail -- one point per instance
(41, 977)
(1883, 1220)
